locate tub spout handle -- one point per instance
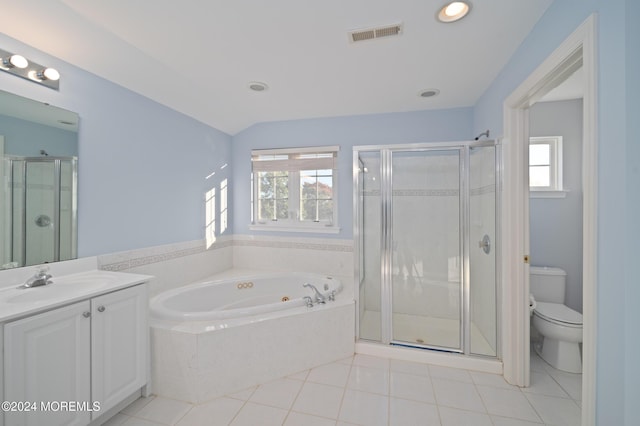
(320, 298)
(308, 301)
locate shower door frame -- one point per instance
(386, 157)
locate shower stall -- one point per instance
(39, 210)
(425, 222)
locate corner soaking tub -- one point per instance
(216, 337)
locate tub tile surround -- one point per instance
(176, 265)
(332, 394)
(191, 367)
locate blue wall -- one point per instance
(142, 168)
(632, 295)
(617, 202)
(347, 132)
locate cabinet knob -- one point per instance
(86, 314)
(101, 308)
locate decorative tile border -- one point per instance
(298, 244)
(123, 261)
(135, 258)
(432, 192)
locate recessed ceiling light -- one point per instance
(453, 11)
(257, 86)
(428, 93)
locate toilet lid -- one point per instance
(558, 312)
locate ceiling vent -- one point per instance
(372, 33)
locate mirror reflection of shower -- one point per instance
(39, 209)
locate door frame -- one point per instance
(578, 48)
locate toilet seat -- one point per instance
(558, 313)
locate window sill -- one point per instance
(309, 229)
(548, 194)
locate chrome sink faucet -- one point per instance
(42, 277)
(319, 297)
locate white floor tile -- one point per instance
(117, 420)
(369, 379)
(543, 384)
(450, 393)
(278, 393)
(134, 421)
(320, 400)
(370, 361)
(300, 376)
(507, 403)
(365, 408)
(243, 395)
(449, 373)
(164, 410)
(334, 374)
(455, 417)
(409, 367)
(403, 412)
(299, 419)
(255, 414)
(411, 386)
(505, 421)
(571, 383)
(489, 379)
(136, 405)
(555, 411)
(218, 412)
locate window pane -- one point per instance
(308, 212)
(266, 210)
(539, 176)
(325, 210)
(282, 209)
(539, 154)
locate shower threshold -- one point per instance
(421, 332)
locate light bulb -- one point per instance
(51, 74)
(15, 61)
(453, 11)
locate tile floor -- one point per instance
(365, 390)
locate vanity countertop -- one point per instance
(65, 289)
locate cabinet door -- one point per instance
(119, 341)
(47, 359)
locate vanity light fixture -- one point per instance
(454, 11)
(20, 66)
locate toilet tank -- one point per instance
(547, 284)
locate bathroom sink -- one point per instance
(61, 288)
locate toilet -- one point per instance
(559, 325)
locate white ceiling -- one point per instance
(198, 56)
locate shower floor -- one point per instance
(421, 330)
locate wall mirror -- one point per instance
(38, 192)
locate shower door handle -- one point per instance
(485, 244)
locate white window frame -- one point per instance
(294, 165)
(555, 188)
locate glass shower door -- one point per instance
(425, 248)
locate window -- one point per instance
(294, 189)
(545, 163)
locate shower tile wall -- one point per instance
(424, 278)
(426, 238)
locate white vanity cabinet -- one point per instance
(92, 351)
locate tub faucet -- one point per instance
(319, 297)
(39, 279)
